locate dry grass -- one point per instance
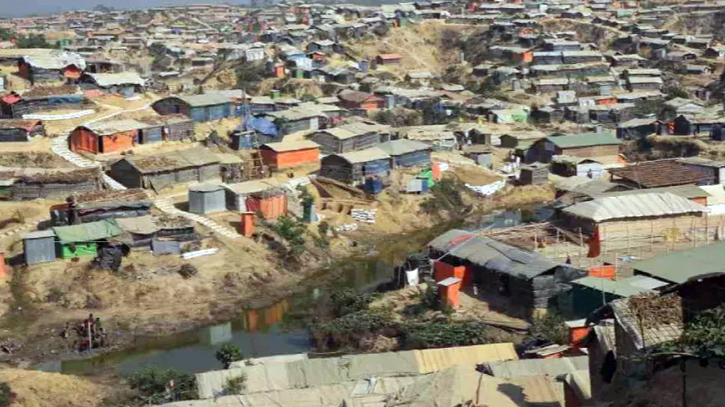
(419, 45)
(41, 389)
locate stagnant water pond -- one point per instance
(278, 328)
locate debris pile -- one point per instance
(363, 215)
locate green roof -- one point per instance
(678, 267)
(585, 140)
(621, 288)
(88, 232)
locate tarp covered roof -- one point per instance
(509, 369)
(88, 232)
(327, 371)
(646, 204)
(492, 254)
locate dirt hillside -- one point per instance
(41, 389)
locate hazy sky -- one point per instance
(15, 8)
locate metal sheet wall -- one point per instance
(41, 250)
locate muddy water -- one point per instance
(278, 328)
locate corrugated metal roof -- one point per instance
(584, 140)
(621, 287)
(492, 254)
(678, 267)
(305, 373)
(553, 368)
(433, 360)
(112, 127)
(646, 204)
(403, 146)
(122, 78)
(284, 146)
(363, 156)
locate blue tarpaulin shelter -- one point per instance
(262, 126)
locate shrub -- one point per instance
(152, 384)
(236, 385)
(439, 334)
(347, 331)
(6, 395)
(550, 326)
(293, 231)
(227, 354)
(347, 300)
(445, 197)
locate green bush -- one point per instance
(347, 300)
(236, 385)
(293, 231)
(152, 385)
(441, 334)
(550, 326)
(227, 354)
(348, 330)
(446, 197)
(6, 395)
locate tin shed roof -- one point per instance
(678, 267)
(285, 146)
(403, 146)
(584, 140)
(363, 156)
(646, 204)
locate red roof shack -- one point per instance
(105, 137)
(388, 59)
(290, 154)
(352, 99)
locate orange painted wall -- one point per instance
(450, 295)
(273, 207)
(289, 159)
(607, 101)
(119, 141)
(83, 139)
(444, 270)
(247, 219)
(701, 201)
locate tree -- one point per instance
(153, 385)
(6, 395)
(292, 231)
(433, 112)
(446, 198)
(550, 326)
(250, 76)
(33, 41)
(399, 117)
(227, 354)
(5, 34)
(704, 337)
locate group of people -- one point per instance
(90, 334)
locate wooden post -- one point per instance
(693, 232)
(536, 244)
(651, 236)
(629, 242)
(707, 229)
(581, 244)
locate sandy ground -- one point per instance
(418, 44)
(41, 389)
